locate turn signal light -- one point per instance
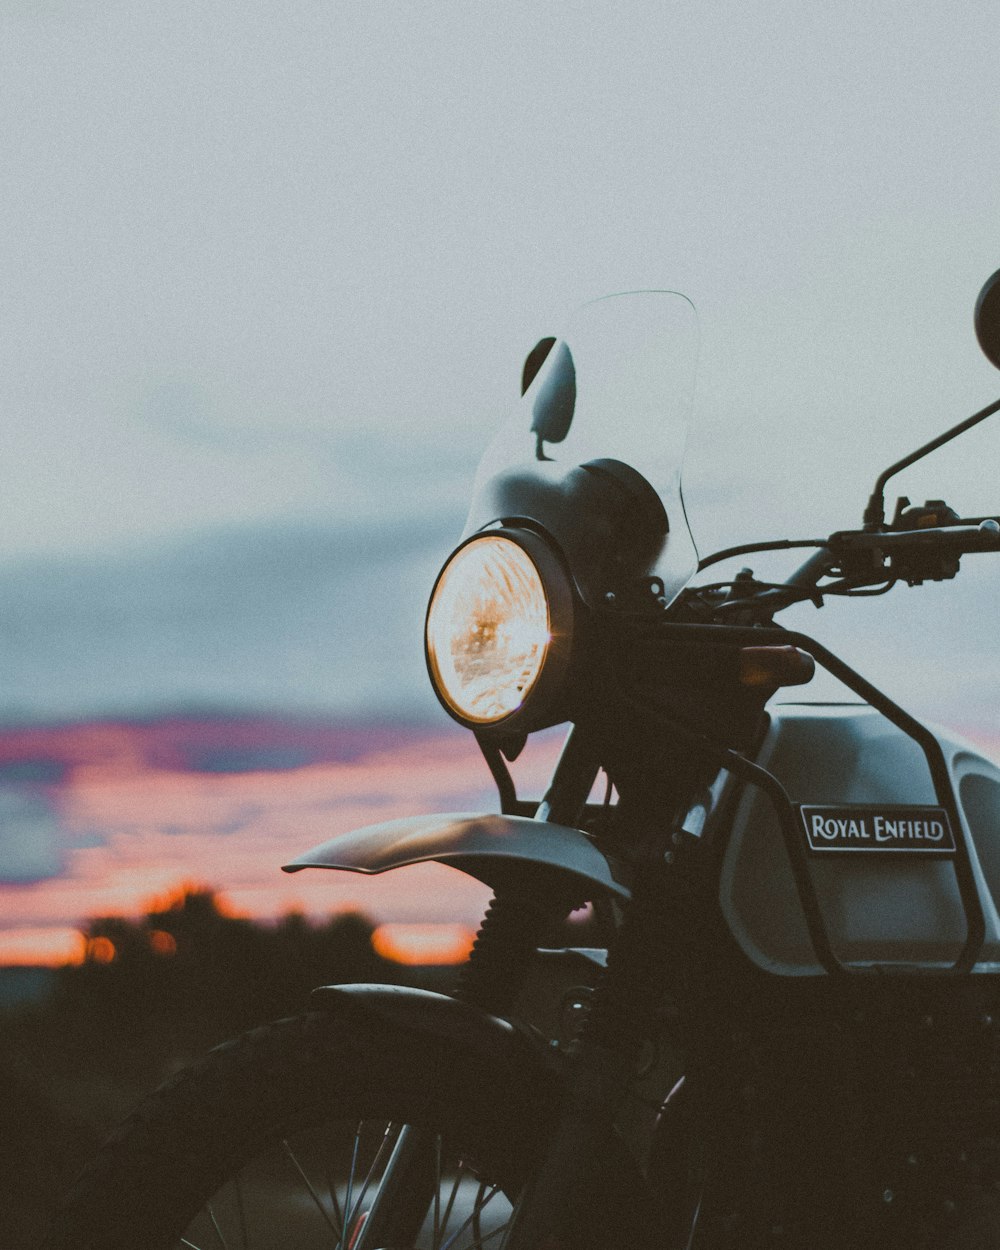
(772, 667)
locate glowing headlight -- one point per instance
(498, 614)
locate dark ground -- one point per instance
(90, 1041)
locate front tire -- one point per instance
(279, 1139)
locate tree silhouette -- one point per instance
(157, 990)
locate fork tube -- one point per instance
(492, 979)
(403, 1197)
(603, 1064)
(654, 782)
(571, 782)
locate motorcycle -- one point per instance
(786, 1031)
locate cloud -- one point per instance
(130, 822)
(295, 616)
(30, 841)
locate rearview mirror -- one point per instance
(534, 361)
(552, 411)
(987, 319)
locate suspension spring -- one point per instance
(503, 950)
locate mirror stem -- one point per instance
(874, 516)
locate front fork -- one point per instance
(655, 952)
(603, 1059)
(514, 924)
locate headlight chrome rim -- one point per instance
(541, 696)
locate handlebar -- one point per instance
(968, 535)
(924, 554)
(855, 559)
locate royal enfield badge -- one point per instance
(894, 828)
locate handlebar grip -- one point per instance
(985, 537)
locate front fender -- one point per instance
(431, 1015)
(493, 849)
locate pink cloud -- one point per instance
(132, 828)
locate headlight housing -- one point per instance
(499, 631)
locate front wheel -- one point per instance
(284, 1137)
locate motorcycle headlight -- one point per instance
(499, 629)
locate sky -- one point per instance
(268, 274)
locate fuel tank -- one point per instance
(900, 908)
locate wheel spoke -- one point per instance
(350, 1183)
(331, 1184)
(467, 1222)
(218, 1230)
(477, 1231)
(481, 1241)
(439, 1232)
(337, 1232)
(384, 1145)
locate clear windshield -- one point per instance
(618, 384)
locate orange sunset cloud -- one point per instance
(132, 822)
